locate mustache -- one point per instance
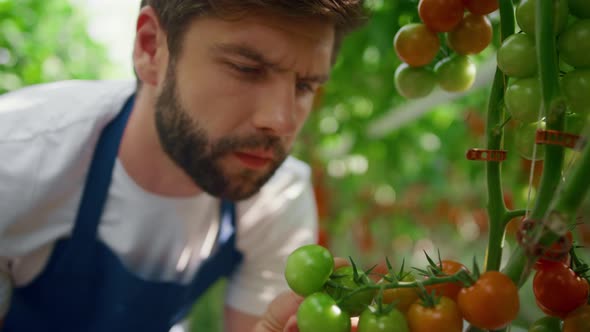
(264, 142)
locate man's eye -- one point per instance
(252, 71)
(304, 87)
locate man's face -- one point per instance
(234, 99)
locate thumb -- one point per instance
(279, 313)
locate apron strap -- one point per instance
(97, 184)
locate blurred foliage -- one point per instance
(42, 41)
(397, 195)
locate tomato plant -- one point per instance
(308, 268)
(448, 289)
(481, 7)
(576, 85)
(525, 16)
(472, 35)
(412, 82)
(578, 321)
(523, 99)
(441, 15)
(372, 321)
(416, 45)
(546, 324)
(517, 56)
(524, 140)
(558, 290)
(580, 8)
(345, 282)
(491, 302)
(422, 318)
(455, 73)
(319, 312)
(574, 44)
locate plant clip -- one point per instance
(486, 155)
(554, 137)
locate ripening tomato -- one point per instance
(441, 15)
(578, 320)
(580, 8)
(472, 35)
(308, 268)
(319, 312)
(344, 278)
(404, 296)
(576, 85)
(517, 56)
(455, 73)
(414, 82)
(525, 16)
(416, 45)
(491, 303)
(448, 289)
(558, 290)
(559, 248)
(393, 321)
(574, 44)
(523, 99)
(428, 319)
(481, 7)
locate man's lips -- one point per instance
(254, 160)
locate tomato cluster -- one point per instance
(446, 296)
(517, 59)
(464, 26)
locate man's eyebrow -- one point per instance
(254, 55)
(246, 52)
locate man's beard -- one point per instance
(186, 143)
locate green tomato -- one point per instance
(576, 87)
(344, 278)
(308, 268)
(525, 141)
(580, 8)
(546, 324)
(393, 321)
(574, 44)
(319, 313)
(523, 99)
(575, 123)
(517, 56)
(455, 73)
(525, 16)
(414, 82)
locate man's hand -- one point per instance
(281, 313)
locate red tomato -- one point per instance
(491, 303)
(559, 248)
(449, 289)
(472, 35)
(481, 7)
(416, 45)
(426, 319)
(558, 290)
(404, 296)
(441, 15)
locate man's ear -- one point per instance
(150, 51)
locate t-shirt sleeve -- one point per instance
(288, 220)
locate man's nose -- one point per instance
(276, 114)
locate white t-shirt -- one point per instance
(47, 138)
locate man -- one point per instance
(120, 204)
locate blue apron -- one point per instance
(86, 288)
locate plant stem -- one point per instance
(495, 132)
(554, 106)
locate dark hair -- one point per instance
(176, 15)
